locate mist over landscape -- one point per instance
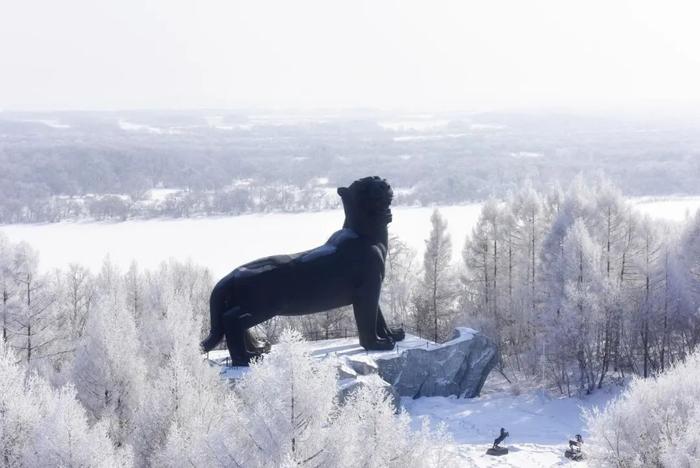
(349, 234)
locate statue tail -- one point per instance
(217, 306)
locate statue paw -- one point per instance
(397, 334)
(379, 344)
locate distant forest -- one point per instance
(83, 165)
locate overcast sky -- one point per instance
(122, 54)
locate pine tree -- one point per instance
(398, 281)
(46, 427)
(109, 370)
(34, 320)
(6, 283)
(435, 301)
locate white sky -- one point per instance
(98, 54)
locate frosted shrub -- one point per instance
(653, 423)
(292, 400)
(109, 370)
(366, 432)
(285, 412)
(188, 416)
(194, 420)
(290, 397)
(40, 426)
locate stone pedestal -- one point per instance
(415, 368)
(418, 367)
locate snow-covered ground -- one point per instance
(540, 425)
(222, 243)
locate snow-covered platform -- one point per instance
(415, 367)
(347, 347)
(339, 347)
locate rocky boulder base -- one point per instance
(458, 367)
(415, 368)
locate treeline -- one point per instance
(237, 200)
(575, 286)
(105, 370)
(49, 173)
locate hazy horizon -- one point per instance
(405, 56)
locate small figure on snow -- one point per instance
(497, 449)
(500, 438)
(574, 451)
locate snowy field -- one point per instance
(223, 243)
(540, 425)
(219, 243)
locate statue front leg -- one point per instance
(366, 310)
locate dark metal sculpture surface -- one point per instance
(575, 451)
(347, 270)
(496, 449)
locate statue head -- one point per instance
(366, 203)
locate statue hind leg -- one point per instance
(242, 345)
(238, 338)
(220, 301)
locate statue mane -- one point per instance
(366, 203)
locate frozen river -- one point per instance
(223, 243)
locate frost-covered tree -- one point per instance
(40, 426)
(579, 312)
(185, 406)
(366, 432)
(77, 293)
(653, 422)
(434, 304)
(35, 322)
(293, 397)
(134, 289)
(285, 412)
(689, 264)
(109, 370)
(6, 282)
(525, 238)
(481, 257)
(498, 292)
(647, 282)
(399, 281)
(172, 283)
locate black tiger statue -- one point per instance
(347, 270)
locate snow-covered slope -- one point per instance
(540, 425)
